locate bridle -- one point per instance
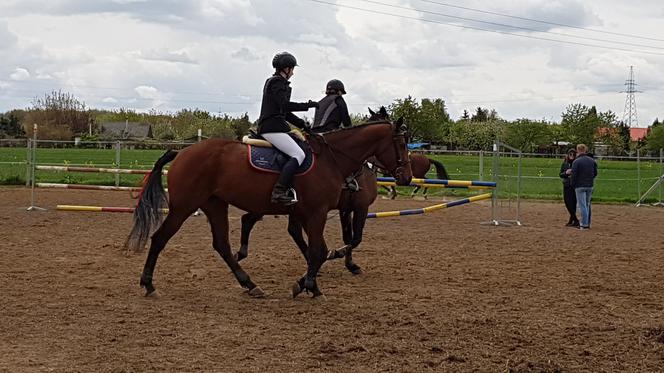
(396, 135)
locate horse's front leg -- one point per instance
(316, 252)
(248, 221)
(417, 189)
(359, 219)
(295, 231)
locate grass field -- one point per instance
(617, 180)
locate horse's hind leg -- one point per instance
(248, 221)
(359, 219)
(417, 189)
(168, 228)
(217, 213)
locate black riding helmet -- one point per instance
(335, 85)
(283, 60)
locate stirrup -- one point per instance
(352, 184)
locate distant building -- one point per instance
(125, 131)
(637, 134)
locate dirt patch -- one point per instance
(440, 292)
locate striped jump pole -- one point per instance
(391, 183)
(87, 187)
(98, 209)
(425, 210)
(466, 184)
(95, 170)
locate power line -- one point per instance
(540, 21)
(486, 30)
(509, 26)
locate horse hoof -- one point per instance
(257, 292)
(320, 298)
(296, 289)
(356, 271)
(153, 294)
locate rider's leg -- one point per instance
(286, 144)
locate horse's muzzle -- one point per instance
(400, 178)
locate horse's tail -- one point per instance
(148, 211)
(441, 172)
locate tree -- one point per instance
(465, 116)
(655, 139)
(481, 115)
(10, 126)
(427, 120)
(528, 135)
(580, 124)
(59, 114)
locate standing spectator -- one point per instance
(569, 195)
(584, 171)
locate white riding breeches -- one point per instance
(286, 144)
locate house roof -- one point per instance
(125, 130)
(636, 134)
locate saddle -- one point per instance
(264, 157)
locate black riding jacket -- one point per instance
(567, 165)
(338, 114)
(276, 108)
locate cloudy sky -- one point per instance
(216, 54)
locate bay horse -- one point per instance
(353, 210)
(420, 166)
(215, 173)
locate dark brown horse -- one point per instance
(353, 210)
(420, 166)
(213, 174)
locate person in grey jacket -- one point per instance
(584, 171)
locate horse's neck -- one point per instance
(352, 147)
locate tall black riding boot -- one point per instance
(284, 184)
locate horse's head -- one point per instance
(396, 160)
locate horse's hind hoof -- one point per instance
(152, 294)
(356, 270)
(320, 298)
(257, 292)
(296, 289)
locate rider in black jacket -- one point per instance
(332, 111)
(276, 113)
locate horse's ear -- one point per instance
(371, 112)
(382, 110)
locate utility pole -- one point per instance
(629, 114)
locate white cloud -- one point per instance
(20, 74)
(216, 54)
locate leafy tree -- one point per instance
(528, 135)
(481, 115)
(580, 124)
(655, 139)
(10, 126)
(465, 116)
(58, 113)
(427, 120)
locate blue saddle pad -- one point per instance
(272, 160)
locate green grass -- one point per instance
(616, 182)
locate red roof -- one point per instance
(636, 134)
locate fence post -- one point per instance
(28, 162)
(638, 174)
(33, 176)
(481, 165)
(661, 173)
(117, 162)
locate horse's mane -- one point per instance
(365, 124)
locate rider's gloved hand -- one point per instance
(313, 104)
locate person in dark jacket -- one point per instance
(332, 111)
(584, 171)
(276, 114)
(569, 195)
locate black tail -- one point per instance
(148, 212)
(441, 172)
